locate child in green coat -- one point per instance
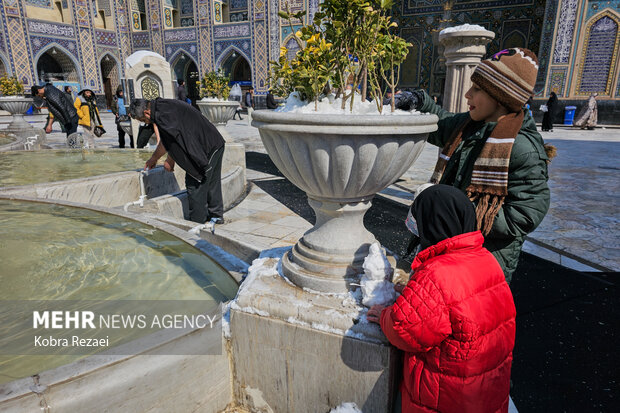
(494, 153)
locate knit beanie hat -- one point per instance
(508, 77)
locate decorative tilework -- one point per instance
(546, 41)
(238, 4)
(238, 17)
(566, 28)
(187, 7)
(40, 43)
(19, 50)
(40, 3)
(180, 35)
(557, 81)
(53, 29)
(168, 17)
(138, 5)
(105, 6)
(274, 30)
(260, 57)
(105, 37)
(223, 47)
(91, 70)
(436, 6)
(230, 31)
(187, 22)
(190, 49)
(141, 40)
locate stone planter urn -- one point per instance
(17, 106)
(218, 113)
(341, 162)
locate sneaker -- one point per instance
(217, 220)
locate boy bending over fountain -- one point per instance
(195, 144)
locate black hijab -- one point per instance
(442, 212)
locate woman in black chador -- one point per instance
(547, 123)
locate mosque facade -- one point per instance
(83, 43)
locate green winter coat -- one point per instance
(528, 196)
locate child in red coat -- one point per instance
(455, 319)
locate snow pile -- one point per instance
(462, 28)
(331, 106)
(346, 408)
(212, 100)
(376, 288)
(235, 90)
(226, 319)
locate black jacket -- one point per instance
(59, 104)
(186, 134)
(181, 93)
(271, 102)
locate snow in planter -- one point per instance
(331, 106)
(376, 288)
(462, 28)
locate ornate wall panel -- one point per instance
(557, 81)
(141, 40)
(231, 31)
(599, 56)
(566, 28)
(105, 37)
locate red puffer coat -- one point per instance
(455, 320)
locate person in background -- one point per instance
(455, 318)
(588, 116)
(195, 144)
(238, 112)
(494, 154)
(86, 107)
(120, 112)
(69, 91)
(59, 106)
(249, 103)
(271, 102)
(181, 93)
(547, 122)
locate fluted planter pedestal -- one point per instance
(17, 106)
(341, 162)
(463, 51)
(219, 113)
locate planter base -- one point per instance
(329, 257)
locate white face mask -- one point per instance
(411, 224)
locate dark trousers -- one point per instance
(237, 112)
(71, 127)
(121, 137)
(205, 198)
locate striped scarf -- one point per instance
(489, 180)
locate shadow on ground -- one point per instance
(566, 354)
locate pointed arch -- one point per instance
(227, 52)
(48, 49)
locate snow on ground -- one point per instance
(346, 408)
(331, 106)
(462, 28)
